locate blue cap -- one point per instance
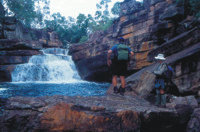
(121, 39)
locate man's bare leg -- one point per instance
(123, 82)
(114, 80)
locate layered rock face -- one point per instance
(108, 113)
(18, 44)
(184, 82)
(150, 28)
(91, 57)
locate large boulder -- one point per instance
(194, 123)
(187, 100)
(173, 13)
(130, 6)
(107, 113)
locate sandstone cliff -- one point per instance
(152, 27)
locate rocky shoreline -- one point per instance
(157, 26)
(106, 113)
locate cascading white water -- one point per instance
(53, 66)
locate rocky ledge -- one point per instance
(105, 113)
(149, 28)
(18, 44)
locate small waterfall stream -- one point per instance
(54, 65)
(49, 74)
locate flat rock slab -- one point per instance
(105, 113)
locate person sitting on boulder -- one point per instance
(119, 64)
(161, 72)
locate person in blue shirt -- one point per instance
(118, 67)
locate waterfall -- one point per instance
(54, 65)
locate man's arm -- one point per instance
(132, 54)
(109, 62)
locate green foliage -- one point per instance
(116, 8)
(69, 31)
(83, 39)
(104, 25)
(29, 12)
(34, 12)
(102, 16)
(77, 30)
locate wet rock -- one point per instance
(107, 113)
(188, 100)
(5, 72)
(194, 123)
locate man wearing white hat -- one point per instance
(159, 83)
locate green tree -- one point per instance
(59, 24)
(116, 9)
(29, 12)
(102, 16)
(71, 30)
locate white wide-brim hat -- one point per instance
(160, 57)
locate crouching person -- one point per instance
(160, 71)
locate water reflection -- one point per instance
(49, 89)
